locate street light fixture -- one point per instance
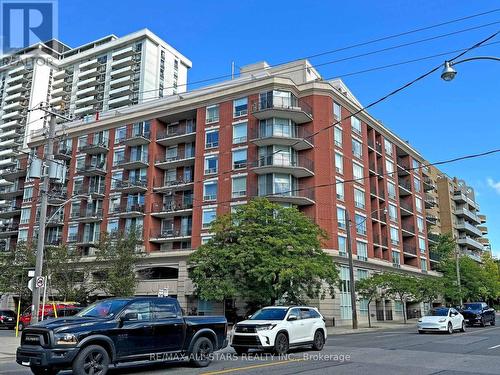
(449, 72)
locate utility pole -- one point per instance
(457, 264)
(49, 157)
(351, 271)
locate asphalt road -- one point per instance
(396, 351)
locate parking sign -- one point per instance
(26, 22)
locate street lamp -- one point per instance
(351, 265)
(449, 72)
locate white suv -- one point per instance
(278, 328)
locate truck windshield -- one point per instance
(472, 306)
(269, 314)
(103, 309)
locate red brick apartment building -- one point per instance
(171, 165)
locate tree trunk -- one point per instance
(404, 310)
(369, 318)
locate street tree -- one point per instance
(263, 252)
(399, 287)
(429, 289)
(443, 248)
(369, 289)
(116, 259)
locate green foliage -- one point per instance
(115, 263)
(429, 289)
(399, 287)
(369, 289)
(444, 248)
(263, 252)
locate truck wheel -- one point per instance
(281, 344)
(92, 360)
(493, 322)
(483, 322)
(240, 351)
(43, 370)
(202, 352)
(319, 340)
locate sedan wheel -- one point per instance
(463, 327)
(450, 328)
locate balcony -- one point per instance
(409, 251)
(163, 186)
(56, 221)
(84, 83)
(403, 167)
(434, 257)
(89, 91)
(286, 194)
(170, 235)
(96, 192)
(132, 186)
(297, 137)
(10, 211)
(89, 215)
(473, 256)
(170, 209)
(86, 100)
(431, 219)
(130, 210)
(57, 197)
(93, 170)
(85, 240)
(84, 110)
(53, 241)
(179, 134)
(470, 243)
(463, 225)
(134, 162)
(137, 138)
(9, 229)
(93, 72)
(12, 191)
(300, 167)
(14, 124)
(171, 162)
(482, 228)
(118, 73)
(282, 107)
(406, 208)
(465, 213)
(482, 218)
(122, 81)
(404, 188)
(122, 62)
(377, 146)
(120, 101)
(408, 230)
(63, 152)
(19, 70)
(12, 174)
(430, 201)
(123, 52)
(96, 147)
(88, 64)
(429, 184)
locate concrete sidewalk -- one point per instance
(8, 345)
(376, 326)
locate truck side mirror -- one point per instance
(131, 315)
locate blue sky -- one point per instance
(441, 120)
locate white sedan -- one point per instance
(442, 319)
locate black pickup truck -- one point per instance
(120, 330)
(478, 312)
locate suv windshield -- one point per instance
(269, 314)
(103, 309)
(472, 306)
(439, 312)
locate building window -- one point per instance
(339, 163)
(82, 141)
(415, 165)
(240, 107)
(337, 136)
(341, 218)
(212, 139)
(345, 295)
(205, 239)
(27, 194)
(78, 185)
(423, 265)
(391, 190)
(393, 213)
(212, 114)
(417, 184)
(396, 259)
(73, 233)
(239, 159)
(355, 125)
(420, 224)
(22, 235)
(118, 156)
(112, 226)
(357, 148)
(389, 166)
(360, 224)
(339, 187)
(342, 246)
(210, 190)
(358, 173)
(80, 163)
(337, 111)
(421, 245)
(208, 216)
(362, 249)
(418, 204)
(398, 307)
(387, 147)
(394, 236)
(25, 216)
(240, 132)
(359, 198)
(116, 179)
(239, 186)
(211, 164)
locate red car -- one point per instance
(62, 309)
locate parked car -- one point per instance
(478, 313)
(278, 328)
(120, 330)
(8, 319)
(62, 309)
(441, 319)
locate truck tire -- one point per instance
(37, 370)
(201, 355)
(92, 357)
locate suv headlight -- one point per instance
(65, 339)
(266, 327)
(442, 320)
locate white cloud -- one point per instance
(494, 185)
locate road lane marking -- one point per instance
(494, 347)
(252, 367)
